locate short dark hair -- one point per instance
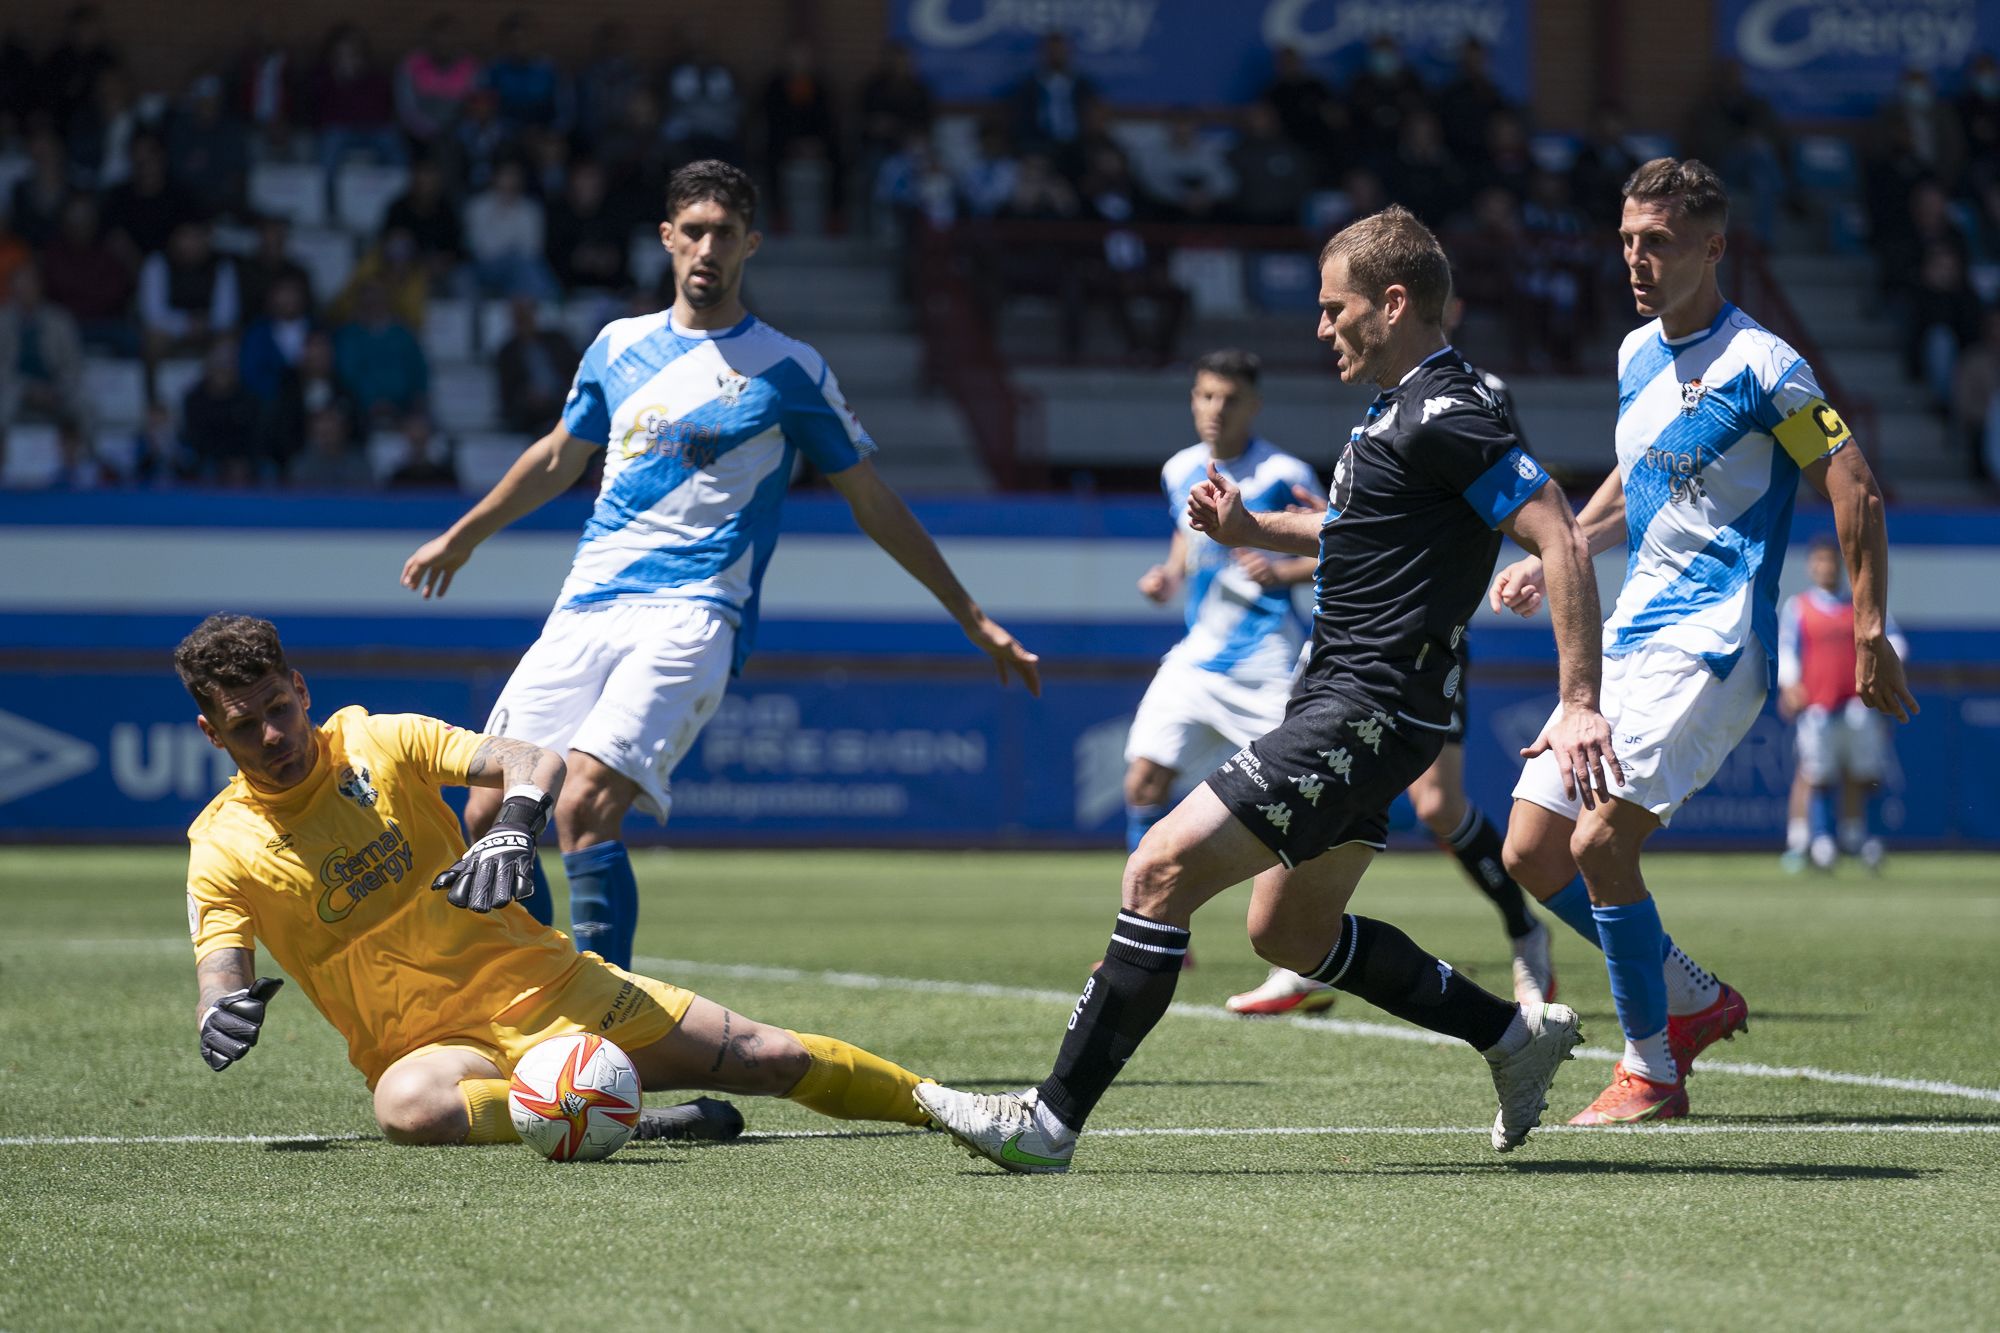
(1689, 184)
(712, 181)
(1393, 247)
(1823, 542)
(1232, 363)
(228, 652)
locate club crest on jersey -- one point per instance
(1691, 396)
(356, 787)
(732, 383)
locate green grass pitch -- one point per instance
(1804, 1201)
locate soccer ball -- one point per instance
(575, 1098)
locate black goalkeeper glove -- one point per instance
(500, 867)
(230, 1026)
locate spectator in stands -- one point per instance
(1312, 117)
(1469, 100)
(1049, 104)
(1422, 173)
(1273, 174)
(1915, 126)
(1126, 276)
(531, 89)
(354, 105)
(484, 140)
(102, 130)
(208, 154)
(1943, 320)
(506, 232)
(270, 264)
(14, 254)
(79, 467)
(330, 460)
(545, 153)
(895, 103)
(34, 206)
(913, 188)
(187, 295)
(634, 154)
(70, 72)
(431, 219)
(219, 419)
(1384, 91)
(987, 180)
(428, 461)
(311, 387)
(267, 96)
(1506, 162)
(160, 457)
(704, 116)
(1976, 400)
(1485, 249)
(41, 357)
(20, 85)
(1740, 134)
(799, 127)
(380, 360)
(89, 277)
(141, 214)
(1040, 192)
(535, 368)
(1556, 267)
(1186, 174)
(1604, 162)
(275, 342)
(433, 83)
(589, 240)
(606, 82)
(1925, 223)
(1979, 119)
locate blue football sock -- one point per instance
(542, 904)
(1571, 905)
(1819, 812)
(1139, 818)
(603, 901)
(1634, 945)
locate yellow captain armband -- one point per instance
(1812, 432)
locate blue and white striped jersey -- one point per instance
(1235, 626)
(1713, 430)
(700, 429)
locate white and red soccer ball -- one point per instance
(574, 1098)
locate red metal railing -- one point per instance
(962, 359)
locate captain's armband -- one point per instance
(1812, 432)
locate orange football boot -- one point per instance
(1691, 1034)
(1631, 1099)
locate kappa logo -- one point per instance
(1339, 763)
(1691, 396)
(1341, 492)
(732, 383)
(1435, 407)
(1444, 975)
(1368, 730)
(1279, 814)
(281, 843)
(1310, 786)
(356, 787)
(33, 756)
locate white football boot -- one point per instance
(1523, 1078)
(1534, 972)
(1284, 992)
(1001, 1127)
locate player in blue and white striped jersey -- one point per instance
(700, 411)
(1717, 420)
(1226, 682)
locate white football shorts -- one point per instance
(1673, 722)
(1846, 742)
(628, 683)
(1191, 720)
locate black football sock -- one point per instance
(1385, 967)
(1120, 1004)
(1476, 844)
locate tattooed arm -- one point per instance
(499, 868)
(221, 972)
(500, 762)
(232, 1005)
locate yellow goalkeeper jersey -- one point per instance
(333, 878)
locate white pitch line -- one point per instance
(1160, 1132)
(671, 967)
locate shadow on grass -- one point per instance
(1016, 1084)
(1803, 1171)
(1836, 1118)
(323, 1145)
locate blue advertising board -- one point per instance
(1831, 59)
(1185, 53)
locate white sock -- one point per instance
(1054, 1130)
(1650, 1059)
(1853, 832)
(1690, 987)
(1798, 834)
(1513, 1039)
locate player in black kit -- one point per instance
(1405, 548)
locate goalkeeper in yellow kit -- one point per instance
(333, 847)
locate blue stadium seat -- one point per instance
(292, 190)
(1825, 164)
(33, 456)
(362, 193)
(116, 389)
(328, 256)
(448, 328)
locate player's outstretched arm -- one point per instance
(500, 867)
(1580, 736)
(545, 469)
(1846, 480)
(889, 523)
(1215, 507)
(1520, 587)
(1162, 581)
(230, 1010)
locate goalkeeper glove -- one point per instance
(229, 1027)
(500, 867)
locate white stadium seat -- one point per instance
(448, 331)
(293, 190)
(464, 398)
(362, 193)
(484, 458)
(33, 456)
(173, 379)
(496, 322)
(116, 390)
(327, 255)
(386, 451)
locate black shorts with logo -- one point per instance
(1325, 776)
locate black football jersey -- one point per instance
(1410, 537)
